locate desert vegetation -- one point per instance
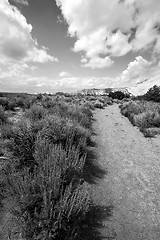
(153, 94)
(118, 95)
(45, 143)
(144, 113)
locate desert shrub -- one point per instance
(52, 128)
(131, 108)
(58, 108)
(6, 131)
(8, 104)
(118, 95)
(82, 114)
(48, 103)
(89, 105)
(35, 112)
(52, 202)
(22, 143)
(143, 114)
(23, 102)
(144, 120)
(150, 132)
(11, 105)
(45, 194)
(3, 116)
(98, 104)
(57, 130)
(4, 101)
(39, 96)
(153, 94)
(87, 108)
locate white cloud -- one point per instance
(136, 71)
(13, 70)
(41, 84)
(64, 74)
(97, 62)
(139, 76)
(84, 60)
(118, 44)
(80, 82)
(114, 27)
(16, 42)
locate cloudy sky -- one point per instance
(65, 45)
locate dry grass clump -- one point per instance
(143, 114)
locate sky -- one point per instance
(67, 45)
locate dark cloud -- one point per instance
(21, 2)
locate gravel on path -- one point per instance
(131, 186)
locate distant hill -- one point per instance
(142, 86)
(104, 91)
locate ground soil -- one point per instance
(130, 189)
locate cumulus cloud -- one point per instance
(41, 84)
(16, 42)
(13, 70)
(64, 74)
(80, 82)
(139, 76)
(112, 28)
(97, 62)
(137, 71)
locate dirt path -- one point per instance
(132, 184)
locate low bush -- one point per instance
(153, 94)
(150, 132)
(44, 189)
(118, 95)
(98, 104)
(143, 114)
(35, 112)
(82, 114)
(6, 131)
(57, 130)
(22, 143)
(52, 202)
(3, 116)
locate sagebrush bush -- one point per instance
(147, 120)
(50, 203)
(52, 128)
(22, 143)
(6, 131)
(35, 112)
(3, 116)
(82, 114)
(131, 108)
(57, 130)
(98, 104)
(143, 114)
(45, 192)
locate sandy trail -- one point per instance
(132, 182)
